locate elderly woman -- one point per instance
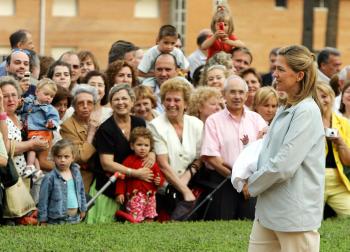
(253, 80)
(266, 103)
(112, 147)
(337, 189)
(98, 80)
(11, 99)
(177, 141)
(80, 129)
(145, 103)
(204, 101)
(60, 72)
(121, 72)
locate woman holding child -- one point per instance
(112, 147)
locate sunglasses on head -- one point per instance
(21, 50)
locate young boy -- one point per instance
(166, 41)
(40, 119)
(141, 200)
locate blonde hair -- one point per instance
(300, 59)
(47, 83)
(199, 97)
(263, 95)
(327, 89)
(176, 85)
(222, 16)
(144, 92)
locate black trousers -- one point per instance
(227, 203)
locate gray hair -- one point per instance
(235, 77)
(343, 73)
(9, 80)
(119, 87)
(84, 88)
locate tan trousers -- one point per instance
(336, 194)
(267, 240)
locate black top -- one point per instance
(109, 139)
(330, 161)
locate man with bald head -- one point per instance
(165, 68)
(225, 134)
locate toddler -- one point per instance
(40, 119)
(166, 41)
(62, 195)
(140, 195)
(223, 38)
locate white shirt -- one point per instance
(322, 77)
(166, 141)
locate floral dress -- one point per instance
(14, 133)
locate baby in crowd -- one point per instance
(40, 119)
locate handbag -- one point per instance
(17, 199)
(8, 174)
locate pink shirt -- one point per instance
(223, 131)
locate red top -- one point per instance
(129, 185)
(219, 46)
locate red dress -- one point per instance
(219, 46)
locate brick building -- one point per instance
(60, 25)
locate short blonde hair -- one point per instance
(199, 96)
(47, 83)
(144, 92)
(263, 95)
(176, 85)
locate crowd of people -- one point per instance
(173, 126)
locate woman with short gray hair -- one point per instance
(80, 128)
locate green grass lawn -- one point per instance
(191, 236)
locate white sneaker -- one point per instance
(37, 175)
(28, 171)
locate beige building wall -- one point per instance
(98, 24)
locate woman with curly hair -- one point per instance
(119, 72)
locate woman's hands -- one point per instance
(245, 191)
(149, 161)
(38, 144)
(144, 174)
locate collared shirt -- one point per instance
(166, 141)
(322, 77)
(223, 131)
(289, 180)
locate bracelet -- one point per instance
(3, 116)
(128, 172)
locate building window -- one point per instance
(146, 9)
(56, 52)
(64, 8)
(281, 3)
(178, 10)
(323, 4)
(7, 7)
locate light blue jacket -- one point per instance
(289, 181)
(53, 195)
(36, 115)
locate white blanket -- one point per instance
(245, 164)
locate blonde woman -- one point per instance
(266, 103)
(289, 180)
(337, 189)
(204, 101)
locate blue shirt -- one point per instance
(37, 115)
